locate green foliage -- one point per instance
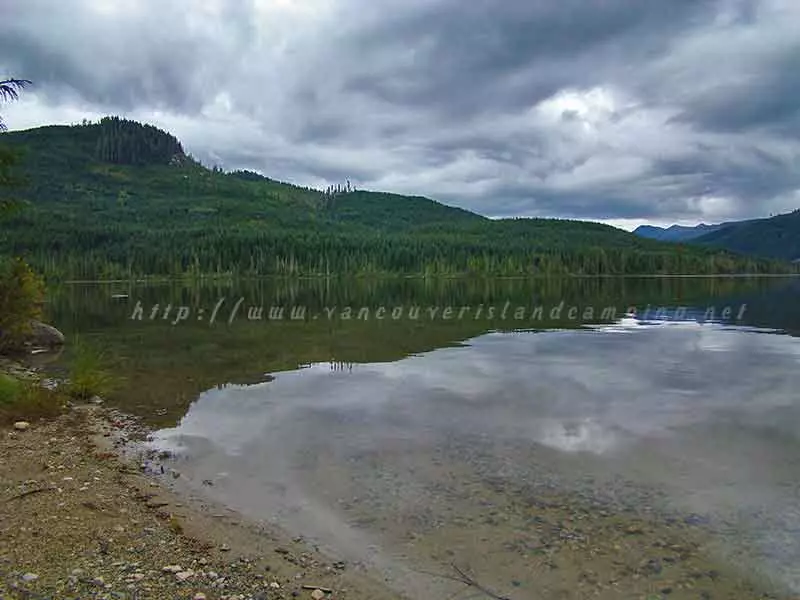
(249, 175)
(9, 207)
(9, 390)
(27, 400)
(91, 219)
(21, 296)
(125, 142)
(21, 290)
(9, 159)
(777, 237)
(89, 374)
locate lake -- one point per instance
(554, 438)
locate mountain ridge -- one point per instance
(776, 237)
(117, 198)
(676, 233)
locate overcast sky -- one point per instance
(627, 111)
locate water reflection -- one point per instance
(705, 413)
(167, 366)
(664, 376)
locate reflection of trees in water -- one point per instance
(93, 307)
(337, 365)
(166, 365)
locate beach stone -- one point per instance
(172, 569)
(21, 425)
(29, 577)
(318, 594)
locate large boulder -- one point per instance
(43, 335)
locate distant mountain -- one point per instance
(676, 233)
(776, 237)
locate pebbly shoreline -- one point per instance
(79, 519)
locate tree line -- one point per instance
(125, 142)
(116, 252)
(120, 199)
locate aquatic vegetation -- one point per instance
(89, 374)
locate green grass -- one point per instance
(22, 400)
(9, 390)
(89, 374)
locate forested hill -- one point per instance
(117, 199)
(777, 237)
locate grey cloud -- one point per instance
(738, 75)
(765, 100)
(616, 109)
(496, 55)
(136, 59)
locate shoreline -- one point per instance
(390, 276)
(79, 519)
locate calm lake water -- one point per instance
(549, 446)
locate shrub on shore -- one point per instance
(88, 373)
(23, 397)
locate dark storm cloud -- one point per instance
(602, 109)
(764, 99)
(132, 58)
(495, 55)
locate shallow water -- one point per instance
(696, 419)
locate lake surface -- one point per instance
(565, 453)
